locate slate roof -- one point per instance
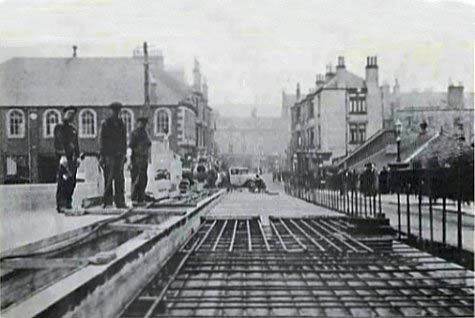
(410, 144)
(83, 81)
(347, 78)
(444, 149)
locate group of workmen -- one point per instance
(113, 155)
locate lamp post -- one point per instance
(460, 140)
(398, 139)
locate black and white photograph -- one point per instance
(237, 158)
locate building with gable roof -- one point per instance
(33, 92)
(255, 141)
(335, 118)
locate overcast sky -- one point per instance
(251, 50)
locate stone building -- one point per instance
(254, 141)
(33, 92)
(343, 110)
(431, 122)
(441, 111)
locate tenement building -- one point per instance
(254, 141)
(33, 92)
(343, 110)
(446, 112)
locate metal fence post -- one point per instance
(356, 202)
(379, 199)
(419, 207)
(444, 220)
(398, 213)
(431, 220)
(408, 212)
(365, 205)
(374, 204)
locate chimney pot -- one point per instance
(341, 62)
(75, 50)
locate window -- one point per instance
(127, 117)
(15, 123)
(353, 134)
(319, 137)
(162, 121)
(357, 133)
(357, 104)
(87, 123)
(362, 132)
(312, 138)
(51, 118)
(363, 105)
(310, 110)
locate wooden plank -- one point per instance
(32, 263)
(133, 227)
(91, 202)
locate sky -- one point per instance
(250, 51)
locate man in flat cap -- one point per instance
(66, 146)
(113, 149)
(139, 149)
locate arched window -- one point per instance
(163, 121)
(15, 123)
(51, 118)
(87, 123)
(127, 117)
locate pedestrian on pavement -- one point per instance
(113, 149)
(66, 146)
(139, 150)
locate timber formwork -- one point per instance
(307, 267)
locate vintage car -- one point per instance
(241, 177)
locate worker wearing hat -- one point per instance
(113, 148)
(139, 146)
(66, 147)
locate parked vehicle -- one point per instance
(241, 177)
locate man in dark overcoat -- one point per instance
(113, 149)
(139, 144)
(66, 147)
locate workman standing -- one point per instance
(66, 146)
(139, 151)
(113, 149)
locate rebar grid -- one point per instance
(301, 267)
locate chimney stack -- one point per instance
(372, 71)
(196, 77)
(341, 63)
(329, 74)
(320, 80)
(396, 88)
(75, 48)
(297, 94)
(455, 96)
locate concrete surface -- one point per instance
(23, 227)
(243, 203)
(33, 197)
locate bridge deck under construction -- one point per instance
(301, 267)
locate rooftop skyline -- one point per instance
(250, 51)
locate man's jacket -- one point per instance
(113, 138)
(66, 140)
